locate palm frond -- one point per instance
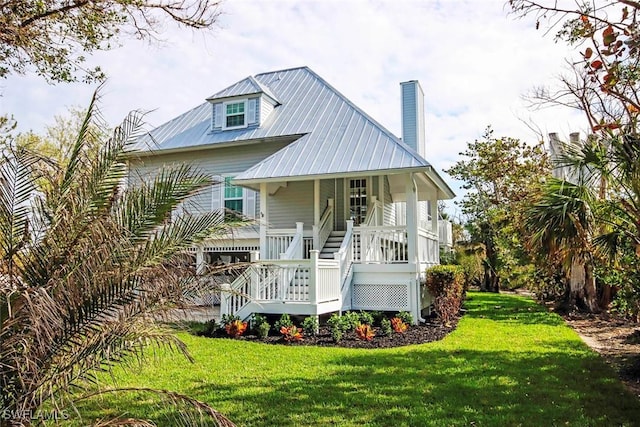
(145, 207)
(192, 412)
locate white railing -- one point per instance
(282, 281)
(312, 281)
(374, 212)
(344, 255)
(322, 230)
(278, 242)
(445, 233)
(383, 245)
(428, 248)
(296, 248)
(327, 280)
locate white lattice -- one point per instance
(388, 297)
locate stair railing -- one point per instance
(323, 229)
(344, 256)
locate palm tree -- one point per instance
(561, 224)
(87, 260)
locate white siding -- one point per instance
(291, 204)
(252, 111)
(340, 209)
(220, 162)
(326, 192)
(265, 109)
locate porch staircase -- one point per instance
(332, 244)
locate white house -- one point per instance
(346, 212)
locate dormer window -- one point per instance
(235, 114)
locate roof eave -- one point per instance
(435, 177)
(254, 181)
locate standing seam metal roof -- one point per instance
(338, 137)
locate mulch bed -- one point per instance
(423, 333)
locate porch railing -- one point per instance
(374, 212)
(383, 244)
(428, 248)
(312, 281)
(322, 231)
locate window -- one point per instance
(358, 200)
(232, 196)
(235, 114)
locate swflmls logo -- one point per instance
(34, 415)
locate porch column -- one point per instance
(200, 259)
(264, 220)
(434, 212)
(412, 219)
(316, 214)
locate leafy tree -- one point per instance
(51, 37)
(87, 264)
(499, 174)
(605, 84)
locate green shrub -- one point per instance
(257, 320)
(377, 316)
(284, 322)
(338, 325)
(406, 317)
(352, 320)
(366, 318)
(446, 285)
(385, 327)
(262, 330)
(310, 326)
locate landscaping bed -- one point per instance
(423, 333)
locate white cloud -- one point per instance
(474, 64)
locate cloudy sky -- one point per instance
(473, 60)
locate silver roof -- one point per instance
(337, 136)
(248, 86)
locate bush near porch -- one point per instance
(446, 285)
(509, 362)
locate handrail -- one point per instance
(324, 228)
(371, 219)
(345, 254)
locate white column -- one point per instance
(200, 259)
(313, 277)
(316, 214)
(381, 196)
(300, 232)
(434, 212)
(412, 219)
(264, 220)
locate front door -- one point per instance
(358, 200)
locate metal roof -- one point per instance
(338, 137)
(248, 86)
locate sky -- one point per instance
(474, 61)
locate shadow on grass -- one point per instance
(557, 382)
(441, 388)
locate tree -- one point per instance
(87, 264)
(499, 173)
(51, 37)
(561, 224)
(605, 86)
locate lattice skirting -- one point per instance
(380, 296)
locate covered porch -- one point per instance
(364, 246)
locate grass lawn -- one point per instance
(509, 363)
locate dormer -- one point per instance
(242, 105)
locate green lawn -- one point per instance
(509, 363)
